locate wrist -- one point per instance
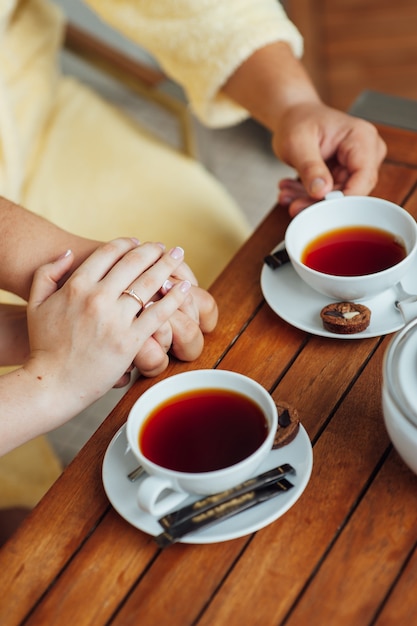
(28, 410)
(271, 82)
(52, 399)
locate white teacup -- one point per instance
(339, 211)
(166, 487)
(399, 393)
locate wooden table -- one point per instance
(344, 553)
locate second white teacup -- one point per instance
(199, 432)
(340, 212)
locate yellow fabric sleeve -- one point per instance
(200, 43)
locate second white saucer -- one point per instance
(300, 305)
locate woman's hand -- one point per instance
(85, 336)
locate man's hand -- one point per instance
(330, 150)
(183, 335)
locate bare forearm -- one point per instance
(26, 410)
(14, 342)
(28, 241)
(269, 82)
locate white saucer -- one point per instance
(300, 305)
(119, 461)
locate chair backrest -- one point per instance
(140, 78)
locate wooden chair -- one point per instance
(139, 78)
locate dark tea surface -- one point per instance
(354, 251)
(203, 430)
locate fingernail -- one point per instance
(284, 200)
(317, 185)
(135, 241)
(177, 253)
(161, 245)
(185, 286)
(167, 285)
(64, 256)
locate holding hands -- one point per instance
(85, 336)
(183, 334)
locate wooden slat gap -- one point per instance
(223, 579)
(345, 393)
(407, 166)
(393, 585)
(410, 193)
(134, 585)
(368, 483)
(290, 363)
(67, 563)
(239, 334)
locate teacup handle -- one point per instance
(150, 496)
(332, 195)
(408, 308)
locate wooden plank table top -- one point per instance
(344, 553)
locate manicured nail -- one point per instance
(135, 241)
(167, 285)
(185, 286)
(161, 245)
(64, 256)
(177, 253)
(317, 186)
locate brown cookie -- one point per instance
(288, 424)
(345, 318)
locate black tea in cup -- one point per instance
(203, 430)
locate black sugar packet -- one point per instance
(220, 506)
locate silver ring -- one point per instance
(132, 293)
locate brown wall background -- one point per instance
(353, 45)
